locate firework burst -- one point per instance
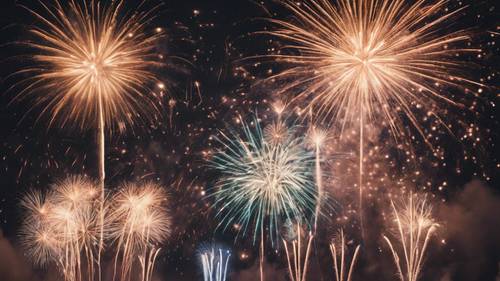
(36, 237)
(415, 227)
(91, 61)
(92, 68)
(361, 60)
(369, 58)
(263, 182)
(62, 227)
(138, 223)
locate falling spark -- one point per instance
(415, 227)
(341, 265)
(317, 139)
(297, 268)
(263, 182)
(368, 59)
(214, 262)
(138, 223)
(62, 227)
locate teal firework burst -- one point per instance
(264, 181)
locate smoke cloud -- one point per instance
(472, 226)
(12, 265)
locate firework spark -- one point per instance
(63, 227)
(415, 227)
(297, 268)
(138, 223)
(340, 266)
(215, 262)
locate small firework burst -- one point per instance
(276, 132)
(62, 227)
(414, 229)
(138, 222)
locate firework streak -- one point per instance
(415, 227)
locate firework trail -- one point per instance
(341, 265)
(317, 138)
(214, 263)
(138, 223)
(263, 182)
(297, 268)
(355, 61)
(415, 227)
(92, 68)
(62, 227)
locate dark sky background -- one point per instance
(205, 39)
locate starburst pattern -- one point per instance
(262, 182)
(92, 58)
(373, 58)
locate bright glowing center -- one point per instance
(96, 68)
(366, 64)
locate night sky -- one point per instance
(209, 87)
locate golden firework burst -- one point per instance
(92, 59)
(62, 227)
(138, 222)
(367, 58)
(415, 227)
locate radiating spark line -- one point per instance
(215, 262)
(415, 227)
(297, 267)
(138, 223)
(340, 266)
